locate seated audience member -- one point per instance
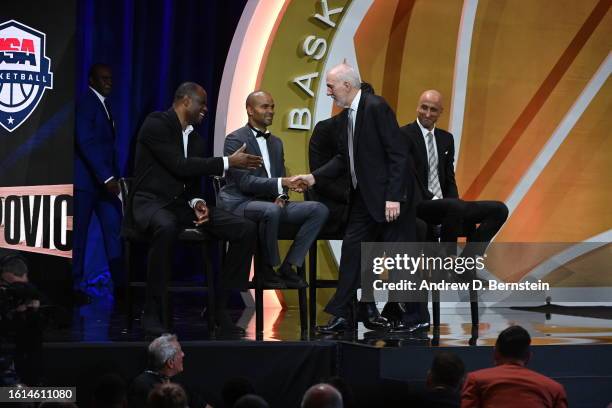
(322, 396)
(234, 389)
(165, 361)
(261, 195)
(510, 383)
(339, 383)
(167, 395)
(110, 392)
(251, 401)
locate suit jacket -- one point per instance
(510, 385)
(334, 193)
(380, 156)
(446, 159)
(94, 159)
(162, 172)
(244, 185)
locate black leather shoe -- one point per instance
(337, 324)
(273, 282)
(291, 278)
(372, 320)
(226, 325)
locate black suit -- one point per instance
(381, 171)
(165, 182)
(334, 193)
(450, 211)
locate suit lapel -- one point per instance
(441, 155)
(358, 123)
(421, 148)
(252, 144)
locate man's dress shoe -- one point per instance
(371, 318)
(337, 324)
(291, 278)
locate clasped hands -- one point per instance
(299, 183)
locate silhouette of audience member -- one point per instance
(322, 396)
(110, 392)
(251, 401)
(234, 389)
(510, 383)
(167, 395)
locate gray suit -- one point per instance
(251, 194)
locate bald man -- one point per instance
(433, 154)
(261, 195)
(322, 396)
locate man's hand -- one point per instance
(280, 202)
(392, 210)
(294, 184)
(244, 160)
(112, 187)
(302, 182)
(201, 213)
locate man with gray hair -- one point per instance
(322, 396)
(165, 360)
(374, 155)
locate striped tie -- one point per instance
(433, 183)
(351, 147)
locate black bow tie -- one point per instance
(259, 133)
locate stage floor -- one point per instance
(99, 322)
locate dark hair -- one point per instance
(367, 87)
(251, 401)
(514, 342)
(110, 391)
(186, 89)
(95, 67)
(168, 395)
(447, 369)
(234, 389)
(13, 262)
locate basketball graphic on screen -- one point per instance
(15, 95)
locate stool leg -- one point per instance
(259, 320)
(435, 304)
(474, 306)
(209, 275)
(312, 280)
(127, 253)
(302, 302)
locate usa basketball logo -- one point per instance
(25, 72)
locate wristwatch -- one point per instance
(284, 197)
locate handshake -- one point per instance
(298, 183)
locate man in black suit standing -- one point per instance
(168, 169)
(433, 154)
(374, 154)
(261, 195)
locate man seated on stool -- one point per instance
(261, 195)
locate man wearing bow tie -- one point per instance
(433, 154)
(261, 195)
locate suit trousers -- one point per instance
(164, 228)
(362, 227)
(309, 215)
(108, 210)
(453, 213)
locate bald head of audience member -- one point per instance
(429, 108)
(343, 84)
(167, 395)
(513, 346)
(322, 396)
(251, 401)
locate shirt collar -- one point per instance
(355, 103)
(98, 94)
(424, 130)
(254, 130)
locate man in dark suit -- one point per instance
(261, 195)
(95, 180)
(433, 154)
(374, 154)
(168, 169)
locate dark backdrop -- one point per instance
(152, 46)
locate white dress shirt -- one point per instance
(265, 155)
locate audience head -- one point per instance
(429, 108)
(348, 398)
(251, 401)
(260, 109)
(367, 87)
(166, 355)
(13, 267)
(101, 79)
(322, 396)
(167, 395)
(512, 345)
(343, 83)
(190, 103)
(110, 392)
(447, 370)
(234, 389)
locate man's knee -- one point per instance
(501, 210)
(271, 212)
(165, 230)
(319, 210)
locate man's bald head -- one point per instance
(429, 108)
(322, 396)
(260, 109)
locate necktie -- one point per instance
(351, 134)
(433, 183)
(110, 115)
